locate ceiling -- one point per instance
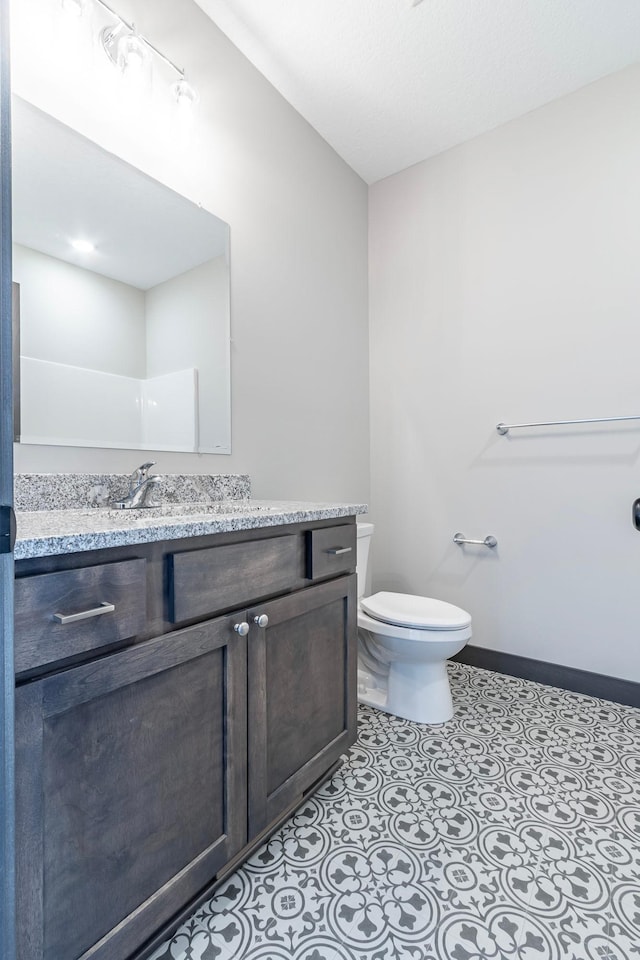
(66, 187)
(391, 82)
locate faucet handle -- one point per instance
(141, 473)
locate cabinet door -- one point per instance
(301, 693)
(131, 791)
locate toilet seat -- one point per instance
(413, 613)
(419, 635)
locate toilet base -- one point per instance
(414, 691)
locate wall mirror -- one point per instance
(124, 312)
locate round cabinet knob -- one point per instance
(262, 621)
(241, 628)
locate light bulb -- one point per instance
(133, 55)
(74, 8)
(185, 96)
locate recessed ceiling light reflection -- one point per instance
(83, 246)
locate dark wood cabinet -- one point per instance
(148, 770)
(45, 607)
(131, 790)
(301, 711)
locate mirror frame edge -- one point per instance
(7, 728)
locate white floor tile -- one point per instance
(513, 831)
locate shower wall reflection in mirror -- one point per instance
(124, 300)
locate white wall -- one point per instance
(188, 326)
(504, 286)
(298, 217)
(105, 364)
(78, 317)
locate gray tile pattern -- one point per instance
(510, 833)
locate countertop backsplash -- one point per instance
(80, 491)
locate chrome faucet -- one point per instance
(140, 482)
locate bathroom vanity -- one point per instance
(183, 682)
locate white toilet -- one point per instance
(404, 642)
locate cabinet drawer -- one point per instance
(203, 582)
(331, 551)
(65, 614)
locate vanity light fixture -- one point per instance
(131, 52)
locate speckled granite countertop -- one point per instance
(43, 533)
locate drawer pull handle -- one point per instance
(84, 614)
(241, 628)
(338, 551)
(262, 620)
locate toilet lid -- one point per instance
(422, 613)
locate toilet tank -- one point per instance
(364, 532)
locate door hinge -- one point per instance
(7, 529)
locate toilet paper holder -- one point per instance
(487, 542)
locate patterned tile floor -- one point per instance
(513, 831)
